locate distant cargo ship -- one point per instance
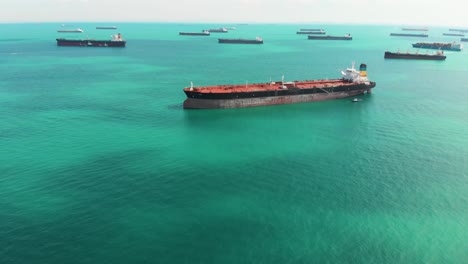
(77, 30)
(352, 83)
(204, 33)
(464, 39)
(107, 27)
(321, 32)
(423, 35)
(116, 41)
(415, 56)
(459, 30)
(217, 30)
(437, 45)
(257, 40)
(345, 37)
(454, 34)
(415, 29)
(311, 29)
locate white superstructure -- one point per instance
(353, 75)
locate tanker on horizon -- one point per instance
(257, 40)
(106, 27)
(454, 34)
(415, 29)
(312, 32)
(75, 30)
(116, 41)
(217, 30)
(439, 45)
(328, 37)
(422, 35)
(203, 33)
(439, 55)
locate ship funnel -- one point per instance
(363, 70)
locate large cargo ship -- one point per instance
(353, 82)
(204, 33)
(345, 37)
(415, 56)
(116, 41)
(257, 40)
(437, 45)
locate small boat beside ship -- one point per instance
(422, 35)
(353, 82)
(257, 40)
(345, 37)
(439, 46)
(116, 41)
(439, 55)
(76, 30)
(203, 33)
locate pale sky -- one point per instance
(398, 12)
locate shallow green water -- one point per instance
(99, 163)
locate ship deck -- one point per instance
(274, 86)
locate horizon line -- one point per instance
(237, 22)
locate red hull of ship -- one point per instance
(191, 103)
(237, 96)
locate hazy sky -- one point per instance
(411, 12)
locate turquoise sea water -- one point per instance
(99, 163)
